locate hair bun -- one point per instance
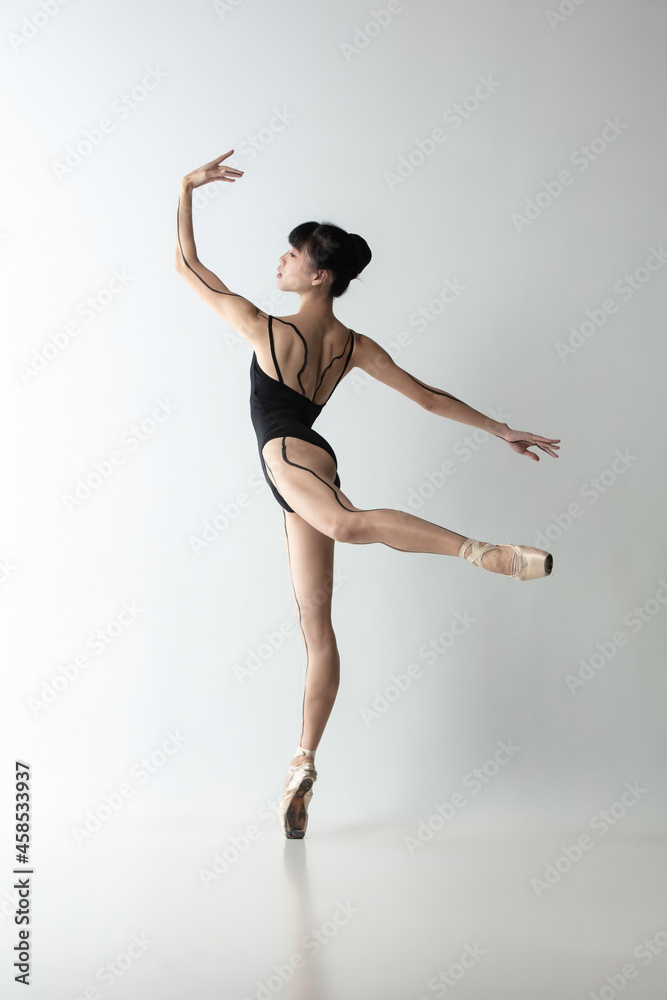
(360, 251)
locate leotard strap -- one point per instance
(273, 351)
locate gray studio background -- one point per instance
(557, 323)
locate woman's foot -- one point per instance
(521, 562)
(297, 793)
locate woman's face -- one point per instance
(290, 265)
(295, 271)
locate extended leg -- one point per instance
(304, 475)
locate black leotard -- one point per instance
(278, 410)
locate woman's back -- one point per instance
(308, 359)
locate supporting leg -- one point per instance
(310, 554)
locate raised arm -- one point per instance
(236, 310)
(372, 358)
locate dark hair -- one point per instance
(330, 248)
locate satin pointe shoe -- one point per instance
(527, 563)
(293, 808)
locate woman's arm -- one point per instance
(373, 359)
(236, 310)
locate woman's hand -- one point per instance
(213, 171)
(521, 441)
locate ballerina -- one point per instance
(297, 363)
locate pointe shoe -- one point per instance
(527, 563)
(293, 808)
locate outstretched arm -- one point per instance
(236, 310)
(378, 363)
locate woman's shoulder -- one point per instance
(312, 328)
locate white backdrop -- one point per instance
(505, 160)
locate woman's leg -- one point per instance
(304, 474)
(310, 555)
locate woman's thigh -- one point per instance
(310, 556)
(304, 475)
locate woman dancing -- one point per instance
(297, 363)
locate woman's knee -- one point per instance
(317, 628)
(349, 526)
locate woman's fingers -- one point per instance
(224, 156)
(231, 170)
(230, 173)
(539, 437)
(522, 445)
(549, 450)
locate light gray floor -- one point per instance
(347, 913)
